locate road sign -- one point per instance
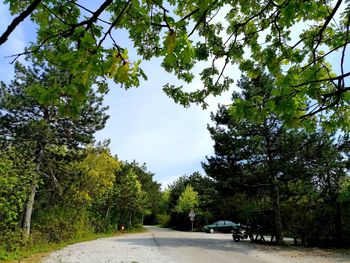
(192, 215)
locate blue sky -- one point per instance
(147, 126)
(144, 125)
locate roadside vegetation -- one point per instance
(281, 181)
(56, 183)
(36, 252)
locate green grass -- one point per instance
(37, 252)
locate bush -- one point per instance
(163, 219)
(62, 223)
(12, 240)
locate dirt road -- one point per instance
(164, 245)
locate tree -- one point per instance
(207, 207)
(188, 200)
(16, 173)
(258, 156)
(130, 199)
(246, 151)
(163, 216)
(254, 34)
(150, 187)
(32, 119)
(89, 178)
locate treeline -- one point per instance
(282, 181)
(56, 183)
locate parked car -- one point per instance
(221, 226)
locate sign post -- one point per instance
(192, 215)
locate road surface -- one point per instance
(164, 245)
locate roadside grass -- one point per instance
(36, 253)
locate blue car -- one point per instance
(220, 226)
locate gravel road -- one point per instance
(164, 245)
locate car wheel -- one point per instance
(211, 230)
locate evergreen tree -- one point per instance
(258, 156)
(33, 120)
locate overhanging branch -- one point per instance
(16, 21)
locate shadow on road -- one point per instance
(170, 239)
(166, 238)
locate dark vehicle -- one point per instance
(220, 226)
(242, 232)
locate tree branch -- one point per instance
(190, 14)
(88, 10)
(344, 48)
(15, 22)
(321, 80)
(328, 20)
(116, 20)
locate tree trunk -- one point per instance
(30, 202)
(107, 213)
(28, 211)
(275, 195)
(277, 214)
(338, 225)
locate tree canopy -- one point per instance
(283, 170)
(303, 44)
(188, 200)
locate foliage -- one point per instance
(57, 224)
(16, 174)
(188, 200)
(151, 189)
(91, 177)
(344, 192)
(291, 172)
(163, 219)
(55, 184)
(295, 41)
(206, 209)
(41, 118)
(132, 197)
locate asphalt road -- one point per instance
(164, 245)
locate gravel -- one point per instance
(164, 245)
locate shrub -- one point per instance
(163, 219)
(62, 223)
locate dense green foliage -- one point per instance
(55, 185)
(281, 181)
(15, 175)
(93, 192)
(188, 200)
(301, 43)
(189, 192)
(296, 178)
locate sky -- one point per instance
(149, 127)
(144, 125)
